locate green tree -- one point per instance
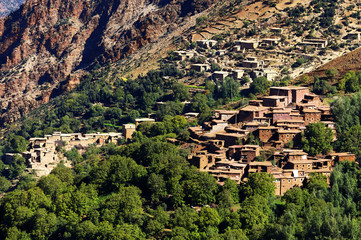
(200, 187)
(17, 166)
(350, 140)
(208, 217)
(261, 184)
(16, 144)
(331, 73)
(180, 92)
(230, 88)
(4, 184)
(157, 187)
(318, 139)
(254, 212)
(229, 194)
(317, 182)
(260, 86)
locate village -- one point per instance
(273, 57)
(220, 147)
(278, 121)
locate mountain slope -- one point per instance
(8, 6)
(47, 44)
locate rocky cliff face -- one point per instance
(8, 6)
(48, 44)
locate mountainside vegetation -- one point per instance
(147, 190)
(144, 187)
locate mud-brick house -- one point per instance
(229, 138)
(275, 101)
(199, 67)
(288, 179)
(267, 133)
(207, 43)
(295, 94)
(237, 74)
(286, 136)
(220, 75)
(249, 113)
(280, 114)
(244, 153)
(252, 62)
(311, 116)
(247, 44)
(203, 159)
(224, 115)
(184, 55)
(258, 167)
(344, 156)
(128, 130)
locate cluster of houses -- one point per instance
(276, 123)
(42, 154)
(258, 59)
(251, 66)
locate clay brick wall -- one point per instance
(285, 184)
(299, 95)
(281, 116)
(244, 116)
(265, 134)
(312, 118)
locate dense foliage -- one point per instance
(147, 190)
(318, 139)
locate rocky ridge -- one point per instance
(8, 6)
(47, 45)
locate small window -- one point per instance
(287, 136)
(289, 180)
(311, 119)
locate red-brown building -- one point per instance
(267, 134)
(295, 94)
(311, 116)
(249, 113)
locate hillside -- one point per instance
(46, 45)
(47, 51)
(8, 6)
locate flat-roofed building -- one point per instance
(199, 67)
(258, 167)
(220, 75)
(128, 130)
(207, 43)
(249, 113)
(266, 134)
(275, 101)
(184, 55)
(252, 62)
(286, 136)
(247, 44)
(311, 116)
(295, 94)
(343, 156)
(237, 74)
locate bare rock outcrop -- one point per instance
(48, 45)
